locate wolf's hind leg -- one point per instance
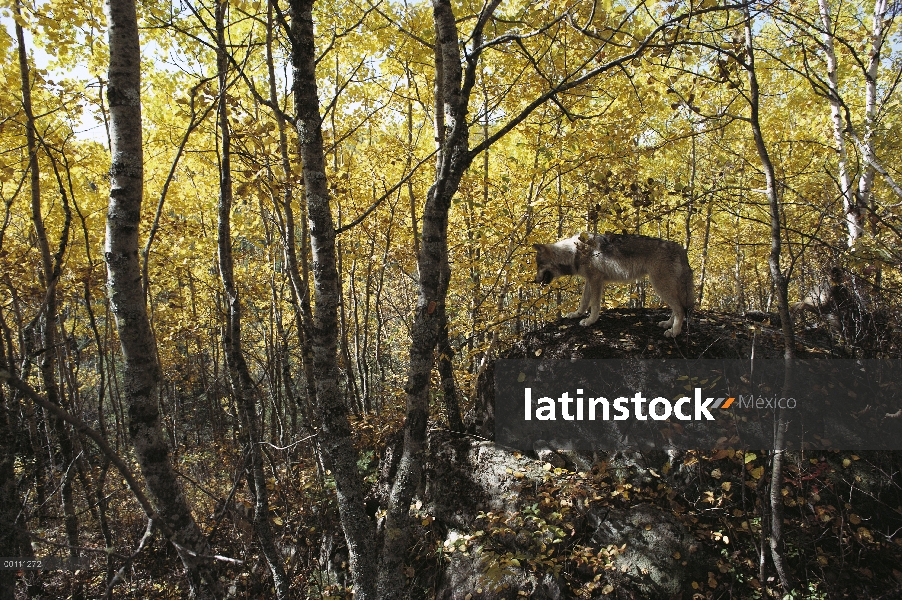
(594, 302)
(667, 291)
(679, 316)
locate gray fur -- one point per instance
(614, 258)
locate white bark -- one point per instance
(334, 436)
(878, 36)
(141, 378)
(852, 217)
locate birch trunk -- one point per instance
(780, 285)
(334, 436)
(851, 214)
(45, 362)
(141, 377)
(453, 158)
(48, 333)
(239, 375)
(298, 272)
(878, 36)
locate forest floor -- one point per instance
(842, 522)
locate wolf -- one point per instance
(620, 258)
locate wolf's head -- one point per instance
(552, 261)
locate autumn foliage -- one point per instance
(576, 116)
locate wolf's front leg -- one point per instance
(594, 292)
(583, 303)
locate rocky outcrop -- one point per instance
(660, 553)
(654, 555)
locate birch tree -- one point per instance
(852, 215)
(780, 284)
(863, 130)
(334, 435)
(141, 377)
(243, 387)
(867, 142)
